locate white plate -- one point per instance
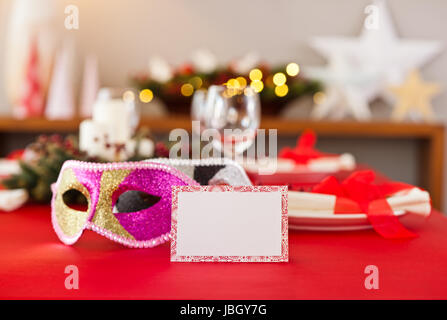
(335, 222)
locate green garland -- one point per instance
(170, 92)
(42, 161)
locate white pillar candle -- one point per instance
(91, 138)
(114, 114)
(98, 140)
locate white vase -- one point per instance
(90, 86)
(29, 19)
(61, 100)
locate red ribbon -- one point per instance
(304, 150)
(16, 155)
(359, 193)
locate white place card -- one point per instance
(229, 224)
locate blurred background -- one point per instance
(120, 38)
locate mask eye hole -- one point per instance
(75, 200)
(133, 201)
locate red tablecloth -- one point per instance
(322, 266)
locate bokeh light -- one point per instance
(279, 79)
(196, 82)
(293, 69)
(128, 96)
(282, 90)
(242, 82)
(187, 89)
(319, 97)
(146, 95)
(233, 84)
(257, 85)
(255, 74)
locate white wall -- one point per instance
(123, 33)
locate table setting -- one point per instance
(96, 204)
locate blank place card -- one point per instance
(229, 224)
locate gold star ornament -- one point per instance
(414, 95)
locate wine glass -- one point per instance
(235, 113)
(198, 107)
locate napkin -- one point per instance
(412, 200)
(11, 200)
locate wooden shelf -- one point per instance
(431, 137)
(37, 125)
(284, 126)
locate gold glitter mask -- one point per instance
(103, 185)
(69, 221)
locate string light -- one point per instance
(187, 90)
(282, 90)
(257, 85)
(279, 79)
(319, 97)
(128, 96)
(292, 69)
(255, 74)
(146, 95)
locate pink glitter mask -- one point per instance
(104, 185)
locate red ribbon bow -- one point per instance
(359, 193)
(304, 150)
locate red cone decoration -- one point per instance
(32, 100)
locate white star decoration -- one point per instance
(345, 90)
(378, 51)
